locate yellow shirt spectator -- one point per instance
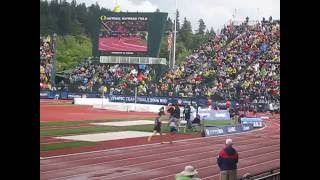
(42, 70)
(105, 89)
(234, 70)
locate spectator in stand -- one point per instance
(228, 105)
(46, 58)
(227, 161)
(240, 60)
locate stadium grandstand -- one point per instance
(241, 64)
(46, 62)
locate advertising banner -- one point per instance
(221, 130)
(256, 122)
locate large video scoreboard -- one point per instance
(131, 34)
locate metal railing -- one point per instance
(132, 60)
(273, 174)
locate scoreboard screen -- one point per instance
(136, 34)
(119, 35)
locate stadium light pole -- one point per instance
(175, 37)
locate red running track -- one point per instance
(124, 44)
(80, 113)
(258, 151)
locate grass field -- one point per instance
(65, 130)
(96, 129)
(55, 146)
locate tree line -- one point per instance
(187, 40)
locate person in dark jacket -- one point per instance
(187, 112)
(227, 162)
(176, 113)
(196, 120)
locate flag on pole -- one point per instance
(169, 41)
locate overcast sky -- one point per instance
(215, 13)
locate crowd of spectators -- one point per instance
(46, 60)
(261, 77)
(240, 63)
(119, 78)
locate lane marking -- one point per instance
(193, 139)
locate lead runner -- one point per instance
(157, 127)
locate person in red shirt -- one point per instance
(227, 161)
(228, 105)
(209, 102)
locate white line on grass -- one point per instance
(89, 152)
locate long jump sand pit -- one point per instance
(106, 136)
(125, 123)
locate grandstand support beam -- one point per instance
(53, 73)
(175, 37)
(135, 94)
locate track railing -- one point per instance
(273, 174)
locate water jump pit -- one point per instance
(106, 136)
(125, 123)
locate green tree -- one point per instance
(81, 11)
(169, 25)
(52, 25)
(247, 19)
(65, 21)
(44, 11)
(198, 40)
(182, 53)
(71, 50)
(202, 27)
(185, 34)
(164, 53)
(93, 25)
(270, 19)
(212, 33)
(177, 20)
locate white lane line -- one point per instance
(192, 162)
(243, 168)
(216, 164)
(165, 153)
(205, 143)
(143, 145)
(164, 166)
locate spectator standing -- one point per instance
(196, 120)
(227, 162)
(271, 109)
(228, 105)
(189, 173)
(209, 103)
(187, 112)
(177, 113)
